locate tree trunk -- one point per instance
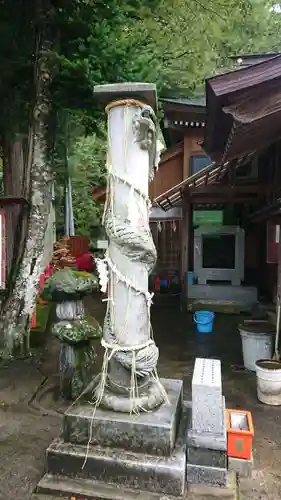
(37, 183)
(13, 170)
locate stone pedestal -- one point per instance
(77, 355)
(128, 455)
(206, 440)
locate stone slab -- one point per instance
(242, 467)
(200, 474)
(152, 432)
(131, 470)
(219, 306)
(207, 403)
(226, 293)
(88, 489)
(206, 492)
(113, 91)
(205, 456)
(210, 440)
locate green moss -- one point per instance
(77, 331)
(68, 284)
(43, 312)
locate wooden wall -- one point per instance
(169, 173)
(168, 245)
(174, 166)
(191, 147)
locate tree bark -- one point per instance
(36, 186)
(13, 170)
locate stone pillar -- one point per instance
(130, 379)
(111, 448)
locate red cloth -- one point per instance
(85, 262)
(33, 320)
(157, 284)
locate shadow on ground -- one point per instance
(25, 434)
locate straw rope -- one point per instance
(125, 102)
(133, 242)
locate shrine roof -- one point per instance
(212, 174)
(243, 110)
(199, 101)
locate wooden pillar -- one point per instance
(186, 154)
(278, 288)
(185, 243)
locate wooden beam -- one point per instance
(278, 297)
(225, 190)
(210, 176)
(186, 156)
(224, 200)
(232, 174)
(184, 183)
(12, 200)
(185, 237)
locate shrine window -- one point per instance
(198, 162)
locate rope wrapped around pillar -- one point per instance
(129, 380)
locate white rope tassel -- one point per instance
(99, 390)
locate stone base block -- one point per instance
(242, 467)
(207, 457)
(151, 432)
(154, 473)
(200, 474)
(209, 440)
(205, 492)
(88, 489)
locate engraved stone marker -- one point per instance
(207, 403)
(206, 453)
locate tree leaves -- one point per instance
(174, 43)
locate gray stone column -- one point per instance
(129, 380)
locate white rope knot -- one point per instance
(126, 348)
(130, 284)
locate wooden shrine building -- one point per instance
(217, 186)
(242, 140)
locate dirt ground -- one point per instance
(25, 433)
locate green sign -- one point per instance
(202, 217)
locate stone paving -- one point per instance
(25, 434)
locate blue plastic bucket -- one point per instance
(190, 278)
(204, 321)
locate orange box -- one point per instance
(240, 433)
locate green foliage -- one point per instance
(87, 163)
(174, 43)
(83, 158)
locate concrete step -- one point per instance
(93, 490)
(65, 487)
(164, 475)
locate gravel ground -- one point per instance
(25, 434)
